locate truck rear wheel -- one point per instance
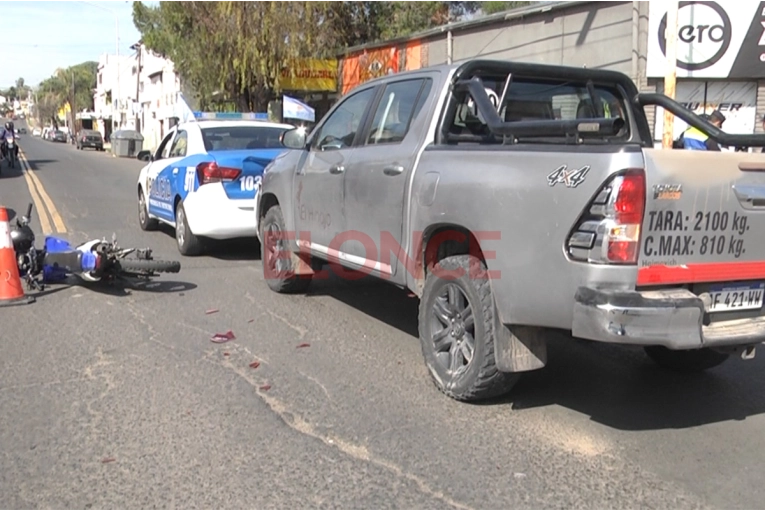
(277, 266)
(456, 326)
(696, 360)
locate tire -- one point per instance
(479, 378)
(146, 223)
(286, 281)
(188, 244)
(696, 360)
(158, 266)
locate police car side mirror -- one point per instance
(144, 156)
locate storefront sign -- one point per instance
(311, 75)
(714, 39)
(736, 100)
(360, 68)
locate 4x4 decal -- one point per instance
(571, 178)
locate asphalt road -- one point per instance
(120, 400)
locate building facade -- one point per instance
(720, 50)
(140, 92)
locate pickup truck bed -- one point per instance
(518, 198)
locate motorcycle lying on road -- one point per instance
(93, 261)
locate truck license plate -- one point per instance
(733, 298)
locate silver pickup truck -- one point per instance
(515, 199)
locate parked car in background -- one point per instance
(91, 139)
(203, 179)
(36, 132)
(22, 131)
(59, 136)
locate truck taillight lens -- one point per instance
(609, 230)
(210, 172)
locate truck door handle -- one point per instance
(336, 169)
(749, 193)
(393, 170)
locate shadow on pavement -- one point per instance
(121, 289)
(382, 301)
(246, 248)
(619, 387)
(36, 164)
(8, 173)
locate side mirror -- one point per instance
(294, 139)
(144, 156)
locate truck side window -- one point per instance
(340, 128)
(400, 104)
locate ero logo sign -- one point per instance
(704, 33)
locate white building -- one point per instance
(148, 90)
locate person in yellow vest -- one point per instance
(695, 140)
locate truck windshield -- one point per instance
(542, 100)
(233, 138)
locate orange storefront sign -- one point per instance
(370, 64)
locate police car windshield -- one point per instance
(233, 138)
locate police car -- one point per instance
(203, 177)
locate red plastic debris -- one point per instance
(107, 460)
(220, 338)
(265, 387)
(255, 364)
(214, 310)
(225, 354)
(251, 320)
(302, 345)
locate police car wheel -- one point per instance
(188, 243)
(143, 214)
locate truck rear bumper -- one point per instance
(671, 318)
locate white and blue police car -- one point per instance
(203, 177)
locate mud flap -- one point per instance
(519, 348)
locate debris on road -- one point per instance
(225, 354)
(220, 338)
(251, 320)
(108, 460)
(265, 387)
(255, 364)
(302, 346)
(214, 310)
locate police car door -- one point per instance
(159, 179)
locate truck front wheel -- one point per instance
(695, 360)
(277, 261)
(456, 323)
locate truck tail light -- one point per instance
(210, 172)
(609, 230)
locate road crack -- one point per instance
(355, 451)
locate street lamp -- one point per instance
(117, 47)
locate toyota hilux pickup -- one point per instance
(517, 199)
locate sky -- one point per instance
(40, 37)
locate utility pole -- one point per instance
(138, 89)
(74, 110)
(670, 74)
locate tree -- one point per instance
(20, 84)
(235, 50)
(494, 7)
(54, 92)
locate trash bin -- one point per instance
(126, 143)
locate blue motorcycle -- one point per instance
(93, 261)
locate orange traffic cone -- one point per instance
(11, 291)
